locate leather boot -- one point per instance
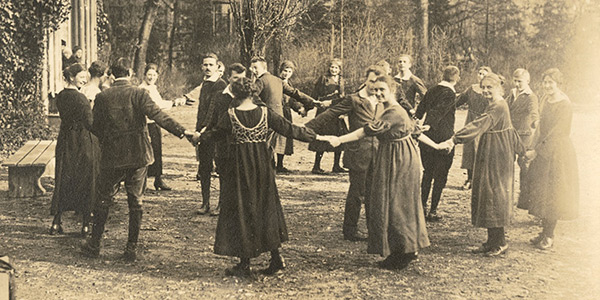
(135, 222)
(276, 265)
(91, 248)
(205, 187)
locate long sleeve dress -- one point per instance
(286, 145)
(493, 171)
(551, 185)
(156, 168)
(395, 221)
(476, 105)
(251, 218)
(327, 88)
(77, 155)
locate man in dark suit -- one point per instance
(120, 124)
(223, 157)
(362, 108)
(210, 91)
(439, 104)
(271, 89)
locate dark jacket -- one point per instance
(412, 87)
(120, 124)
(271, 90)
(358, 154)
(440, 105)
(207, 103)
(524, 112)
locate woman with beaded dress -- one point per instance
(251, 220)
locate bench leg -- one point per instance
(25, 182)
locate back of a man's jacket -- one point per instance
(120, 125)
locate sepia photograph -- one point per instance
(299, 149)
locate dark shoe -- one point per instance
(433, 217)
(355, 237)
(318, 171)
(397, 261)
(275, 266)
(338, 169)
(130, 254)
(497, 251)
(484, 248)
(467, 185)
(283, 170)
(56, 229)
(204, 209)
(536, 240)
(89, 249)
(160, 185)
(238, 270)
(545, 244)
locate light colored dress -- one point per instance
(551, 185)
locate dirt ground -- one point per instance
(179, 262)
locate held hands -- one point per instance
(446, 146)
(530, 155)
(192, 136)
(302, 111)
(334, 141)
(179, 101)
(323, 104)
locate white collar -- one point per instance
(406, 76)
(526, 91)
(447, 84)
(227, 91)
(261, 74)
(372, 99)
(213, 78)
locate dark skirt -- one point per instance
(395, 217)
(156, 168)
(77, 168)
(251, 218)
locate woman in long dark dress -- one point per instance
(476, 105)
(395, 222)
(251, 219)
(330, 87)
(551, 185)
(493, 173)
(77, 153)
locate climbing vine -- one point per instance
(22, 45)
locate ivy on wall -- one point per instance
(22, 45)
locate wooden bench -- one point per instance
(26, 167)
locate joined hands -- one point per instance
(192, 136)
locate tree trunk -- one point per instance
(174, 28)
(139, 62)
(276, 53)
(424, 37)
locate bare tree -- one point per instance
(423, 36)
(258, 21)
(139, 61)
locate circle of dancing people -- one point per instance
(397, 136)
